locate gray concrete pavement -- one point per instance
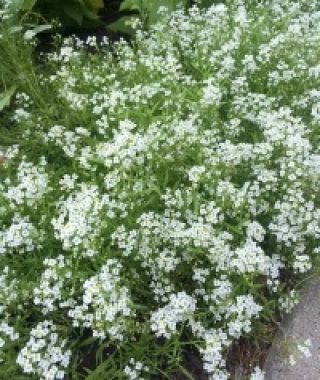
(302, 324)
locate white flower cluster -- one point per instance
(78, 220)
(7, 290)
(304, 348)
(32, 184)
(134, 369)
(257, 374)
(288, 302)
(105, 303)
(175, 189)
(21, 236)
(8, 295)
(125, 148)
(48, 292)
(63, 138)
(244, 308)
(215, 342)
(164, 321)
(44, 354)
(9, 331)
(211, 94)
(299, 350)
(68, 182)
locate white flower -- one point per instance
(257, 374)
(304, 348)
(211, 94)
(195, 173)
(105, 303)
(164, 188)
(179, 308)
(32, 184)
(44, 354)
(21, 236)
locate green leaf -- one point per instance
(29, 34)
(15, 29)
(96, 4)
(122, 25)
(5, 97)
(27, 5)
(131, 5)
(207, 3)
(88, 341)
(186, 373)
(22, 5)
(88, 11)
(16, 5)
(41, 28)
(74, 11)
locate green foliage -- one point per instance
(146, 11)
(149, 9)
(189, 159)
(16, 63)
(118, 14)
(69, 12)
(207, 3)
(5, 97)
(152, 5)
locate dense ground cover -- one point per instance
(158, 195)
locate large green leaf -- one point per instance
(73, 10)
(5, 97)
(29, 34)
(22, 5)
(27, 5)
(15, 29)
(96, 4)
(131, 5)
(88, 11)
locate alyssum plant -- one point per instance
(160, 194)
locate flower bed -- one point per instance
(162, 193)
